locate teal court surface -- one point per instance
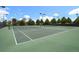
(24, 34)
(39, 39)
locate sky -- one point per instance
(34, 12)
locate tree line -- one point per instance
(63, 21)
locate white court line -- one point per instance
(14, 36)
(59, 33)
(48, 36)
(24, 34)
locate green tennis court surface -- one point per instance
(23, 34)
(39, 39)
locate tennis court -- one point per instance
(39, 39)
(27, 33)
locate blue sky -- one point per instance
(34, 11)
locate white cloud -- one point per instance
(74, 11)
(1, 18)
(20, 18)
(27, 16)
(56, 14)
(3, 12)
(46, 17)
(5, 17)
(12, 17)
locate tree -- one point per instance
(76, 21)
(18, 22)
(31, 22)
(24, 19)
(9, 24)
(63, 20)
(37, 22)
(46, 22)
(53, 21)
(58, 21)
(5, 22)
(22, 23)
(14, 21)
(69, 21)
(42, 22)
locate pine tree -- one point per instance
(53, 21)
(76, 21)
(42, 22)
(31, 22)
(69, 21)
(46, 22)
(63, 20)
(59, 21)
(37, 22)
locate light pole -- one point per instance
(42, 15)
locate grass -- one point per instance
(64, 42)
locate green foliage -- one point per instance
(31, 22)
(9, 23)
(63, 20)
(14, 21)
(5, 22)
(42, 22)
(22, 23)
(37, 22)
(76, 20)
(68, 21)
(59, 21)
(53, 21)
(46, 22)
(18, 22)
(24, 19)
